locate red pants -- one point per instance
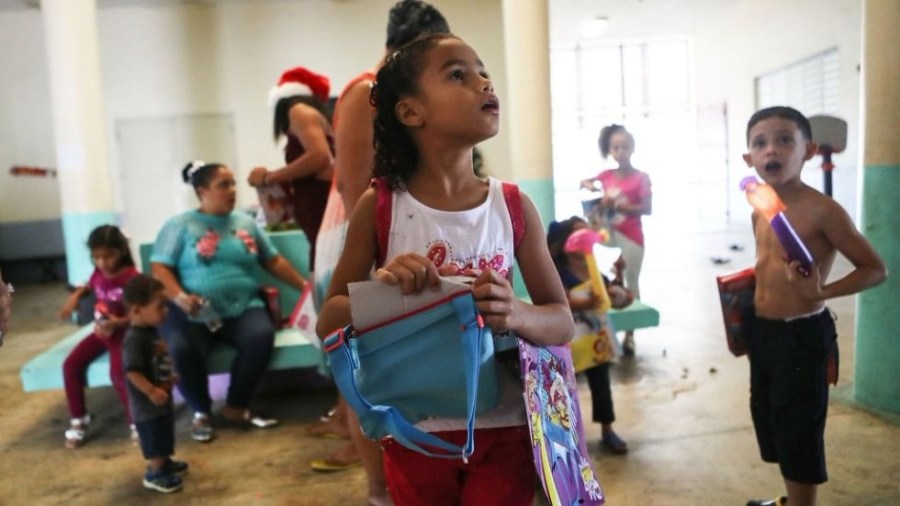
(75, 370)
(500, 472)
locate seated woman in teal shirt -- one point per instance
(207, 259)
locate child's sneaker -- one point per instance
(135, 437)
(162, 481)
(201, 428)
(77, 431)
(176, 467)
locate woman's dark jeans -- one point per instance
(251, 334)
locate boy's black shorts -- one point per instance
(157, 436)
(789, 392)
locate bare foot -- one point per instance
(346, 453)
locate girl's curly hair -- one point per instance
(396, 154)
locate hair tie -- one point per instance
(194, 167)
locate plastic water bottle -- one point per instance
(209, 316)
(764, 199)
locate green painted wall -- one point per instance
(76, 229)
(877, 318)
(541, 192)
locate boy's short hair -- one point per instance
(783, 112)
(141, 289)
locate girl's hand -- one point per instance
(159, 396)
(65, 312)
(584, 302)
(190, 304)
(104, 328)
(588, 184)
(495, 299)
(413, 272)
(809, 287)
(257, 176)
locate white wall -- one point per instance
(172, 60)
(736, 41)
(223, 57)
(26, 128)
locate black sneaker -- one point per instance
(161, 481)
(176, 467)
(778, 501)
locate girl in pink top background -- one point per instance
(114, 266)
(626, 197)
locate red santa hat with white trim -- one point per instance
(300, 81)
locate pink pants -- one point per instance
(75, 371)
(500, 472)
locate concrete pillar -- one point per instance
(878, 321)
(79, 126)
(527, 104)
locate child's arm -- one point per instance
(65, 312)
(588, 184)
(869, 269)
(354, 265)
(586, 303)
(108, 327)
(547, 320)
(157, 395)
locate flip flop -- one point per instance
(332, 466)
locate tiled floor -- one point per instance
(681, 405)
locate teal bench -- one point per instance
(293, 349)
(636, 316)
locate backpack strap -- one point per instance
(384, 202)
(514, 204)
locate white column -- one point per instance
(79, 125)
(527, 43)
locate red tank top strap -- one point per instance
(514, 204)
(383, 210)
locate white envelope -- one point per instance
(373, 302)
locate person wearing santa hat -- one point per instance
(300, 101)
